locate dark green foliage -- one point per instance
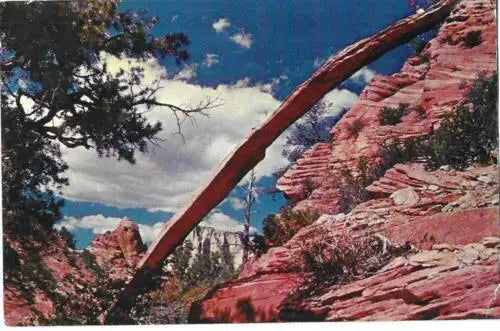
(473, 39)
(68, 237)
(308, 187)
(51, 58)
(279, 229)
(91, 263)
(392, 116)
(205, 268)
(258, 245)
(270, 227)
(311, 129)
(355, 127)
(466, 136)
(227, 260)
(419, 43)
(10, 258)
(449, 40)
(353, 186)
(179, 260)
(182, 279)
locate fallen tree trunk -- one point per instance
(249, 153)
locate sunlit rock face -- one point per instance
(432, 83)
(216, 239)
(119, 251)
(450, 217)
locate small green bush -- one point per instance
(473, 39)
(466, 136)
(392, 116)
(353, 187)
(356, 127)
(68, 237)
(279, 229)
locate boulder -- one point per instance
(405, 197)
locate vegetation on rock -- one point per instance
(469, 134)
(279, 229)
(473, 39)
(339, 259)
(392, 116)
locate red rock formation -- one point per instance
(434, 82)
(452, 216)
(66, 268)
(456, 211)
(452, 283)
(119, 251)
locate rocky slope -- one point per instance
(432, 83)
(450, 217)
(44, 273)
(40, 273)
(118, 251)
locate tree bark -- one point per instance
(249, 153)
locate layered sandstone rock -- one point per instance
(26, 300)
(432, 83)
(119, 251)
(447, 282)
(457, 210)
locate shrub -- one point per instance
(279, 229)
(338, 259)
(466, 136)
(68, 237)
(313, 128)
(449, 40)
(352, 187)
(308, 187)
(355, 127)
(473, 39)
(392, 116)
(258, 245)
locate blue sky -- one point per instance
(251, 54)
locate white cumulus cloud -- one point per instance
(243, 39)
(222, 222)
(363, 75)
(168, 176)
(97, 223)
(221, 24)
(100, 224)
(236, 203)
(210, 60)
(187, 73)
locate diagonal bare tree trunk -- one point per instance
(249, 153)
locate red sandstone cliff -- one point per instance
(450, 216)
(44, 272)
(118, 252)
(435, 82)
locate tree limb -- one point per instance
(249, 153)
